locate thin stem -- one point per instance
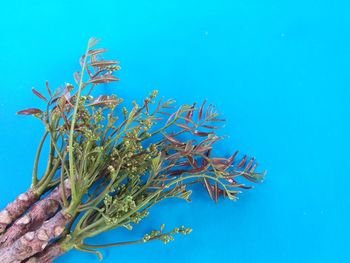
(71, 133)
(117, 244)
(63, 193)
(47, 179)
(36, 162)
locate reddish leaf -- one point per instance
(220, 166)
(103, 79)
(209, 110)
(170, 118)
(253, 168)
(189, 114)
(48, 88)
(31, 111)
(218, 160)
(39, 95)
(183, 126)
(249, 165)
(103, 63)
(235, 184)
(200, 112)
(211, 127)
(103, 100)
(92, 42)
(172, 139)
(55, 100)
(97, 51)
(242, 162)
(208, 187)
(231, 159)
(201, 134)
(216, 192)
(249, 178)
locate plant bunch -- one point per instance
(108, 165)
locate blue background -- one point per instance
(277, 70)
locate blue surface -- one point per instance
(278, 70)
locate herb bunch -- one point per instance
(109, 165)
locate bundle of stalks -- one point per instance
(107, 166)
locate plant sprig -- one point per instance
(121, 162)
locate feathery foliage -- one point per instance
(120, 162)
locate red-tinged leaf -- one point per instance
(88, 71)
(249, 165)
(218, 160)
(48, 88)
(189, 114)
(232, 158)
(216, 192)
(210, 141)
(244, 186)
(103, 100)
(220, 166)
(103, 79)
(93, 42)
(208, 111)
(39, 95)
(170, 118)
(211, 127)
(31, 111)
(235, 184)
(168, 104)
(183, 126)
(249, 178)
(103, 63)
(158, 106)
(201, 134)
(97, 51)
(53, 101)
(253, 168)
(208, 187)
(172, 139)
(200, 112)
(242, 162)
(187, 120)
